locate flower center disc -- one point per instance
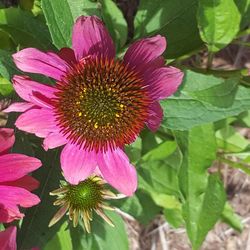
(101, 104)
(86, 195)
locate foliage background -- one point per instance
(181, 166)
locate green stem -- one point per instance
(210, 59)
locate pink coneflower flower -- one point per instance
(15, 184)
(98, 104)
(8, 239)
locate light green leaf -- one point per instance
(5, 87)
(25, 29)
(103, 236)
(198, 101)
(231, 218)
(211, 210)
(115, 22)
(198, 147)
(173, 19)
(61, 240)
(61, 14)
(219, 22)
(159, 169)
(230, 140)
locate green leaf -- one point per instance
(173, 19)
(115, 22)
(25, 29)
(230, 140)
(174, 216)
(5, 87)
(244, 8)
(219, 22)
(61, 240)
(140, 206)
(34, 229)
(198, 101)
(211, 210)
(158, 170)
(6, 41)
(103, 236)
(7, 66)
(231, 218)
(198, 147)
(61, 14)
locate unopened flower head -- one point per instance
(81, 200)
(99, 103)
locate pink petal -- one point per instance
(35, 61)
(117, 171)
(68, 55)
(155, 116)
(26, 88)
(9, 213)
(77, 164)
(12, 197)
(90, 37)
(8, 239)
(41, 122)
(7, 139)
(19, 107)
(144, 51)
(54, 140)
(163, 82)
(27, 182)
(15, 166)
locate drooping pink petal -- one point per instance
(68, 55)
(9, 213)
(7, 139)
(90, 37)
(19, 107)
(41, 122)
(155, 116)
(15, 166)
(54, 140)
(27, 182)
(117, 171)
(26, 88)
(15, 195)
(163, 81)
(77, 164)
(35, 61)
(142, 52)
(8, 239)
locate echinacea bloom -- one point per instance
(82, 199)
(98, 104)
(15, 184)
(8, 238)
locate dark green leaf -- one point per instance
(173, 19)
(25, 29)
(140, 206)
(34, 230)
